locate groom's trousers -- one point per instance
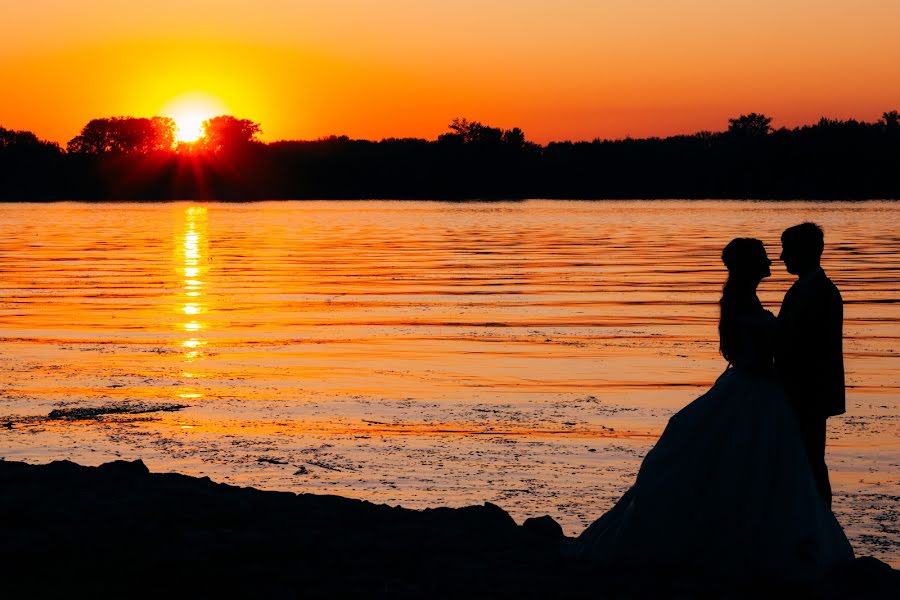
(813, 431)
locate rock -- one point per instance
(125, 467)
(544, 527)
(98, 412)
(865, 577)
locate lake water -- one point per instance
(418, 353)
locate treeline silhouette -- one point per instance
(126, 158)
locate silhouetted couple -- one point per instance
(737, 483)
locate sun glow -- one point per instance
(189, 111)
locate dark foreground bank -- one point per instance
(120, 531)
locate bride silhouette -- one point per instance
(728, 488)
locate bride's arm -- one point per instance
(758, 330)
(767, 327)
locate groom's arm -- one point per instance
(809, 356)
(833, 346)
(786, 340)
(822, 372)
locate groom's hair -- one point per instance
(807, 237)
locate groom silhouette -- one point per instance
(808, 356)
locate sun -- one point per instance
(189, 111)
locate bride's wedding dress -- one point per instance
(727, 488)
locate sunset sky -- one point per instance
(561, 69)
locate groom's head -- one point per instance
(801, 247)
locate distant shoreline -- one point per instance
(449, 200)
(125, 159)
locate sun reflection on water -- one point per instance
(194, 268)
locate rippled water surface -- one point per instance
(418, 353)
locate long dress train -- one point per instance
(727, 488)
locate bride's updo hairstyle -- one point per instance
(742, 259)
(741, 256)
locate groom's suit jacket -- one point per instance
(809, 354)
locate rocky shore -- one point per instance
(118, 530)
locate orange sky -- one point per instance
(560, 69)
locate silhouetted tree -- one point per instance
(514, 137)
(891, 120)
(124, 135)
(225, 133)
(30, 168)
(20, 141)
(474, 132)
(752, 125)
(164, 132)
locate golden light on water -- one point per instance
(192, 257)
(347, 324)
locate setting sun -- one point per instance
(189, 111)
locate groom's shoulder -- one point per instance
(827, 286)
